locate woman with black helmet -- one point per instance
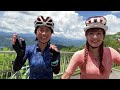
(44, 58)
(95, 61)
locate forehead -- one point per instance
(45, 27)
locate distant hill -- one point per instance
(5, 40)
(67, 42)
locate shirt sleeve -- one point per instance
(27, 53)
(19, 61)
(115, 56)
(75, 61)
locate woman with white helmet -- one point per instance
(95, 60)
(44, 58)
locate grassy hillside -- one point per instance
(111, 41)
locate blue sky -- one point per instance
(87, 14)
(68, 24)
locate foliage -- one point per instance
(111, 41)
(72, 48)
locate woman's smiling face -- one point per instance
(43, 34)
(95, 36)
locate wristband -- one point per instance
(55, 63)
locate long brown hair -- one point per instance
(101, 50)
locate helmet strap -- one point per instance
(93, 47)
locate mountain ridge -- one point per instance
(30, 39)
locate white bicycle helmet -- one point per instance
(96, 22)
(40, 21)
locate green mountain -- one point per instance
(5, 40)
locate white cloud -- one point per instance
(113, 23)
(115, 12)
(68, 24)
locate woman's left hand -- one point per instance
(52, 46)
(118, 40)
